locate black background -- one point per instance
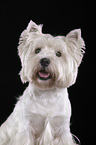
(57, 19)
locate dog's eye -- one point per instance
(58, 54)
(37, 50)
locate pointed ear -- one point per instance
(33, 27)
(76, 45)
(75, 34)
(28, 35)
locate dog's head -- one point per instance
(49, 61)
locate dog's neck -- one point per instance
(55, 93)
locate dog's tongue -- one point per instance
(44, 74)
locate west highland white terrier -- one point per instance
(50, 65)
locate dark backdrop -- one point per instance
(57, 19)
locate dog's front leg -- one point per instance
(65, 139)
(62, 134)
(24, 137)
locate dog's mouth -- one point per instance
(44, 75)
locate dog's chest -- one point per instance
(37, 112)
(46, 108)
(37, 116)
(38, 122)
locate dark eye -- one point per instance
(58, 54)
(37, 50)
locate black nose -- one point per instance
(44, 62)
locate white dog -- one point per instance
(50, 65)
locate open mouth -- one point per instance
(43, 75)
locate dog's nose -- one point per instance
(44, 62)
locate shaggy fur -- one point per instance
(50, 65)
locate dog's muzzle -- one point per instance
(43, 74)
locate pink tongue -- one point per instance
(44, 74)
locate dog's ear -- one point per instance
(76, 45)
(32, 31)
(75, 34)
(33, 27)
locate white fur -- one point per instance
(42, 114)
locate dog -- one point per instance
(50, 65)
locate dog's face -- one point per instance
(48, 61)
